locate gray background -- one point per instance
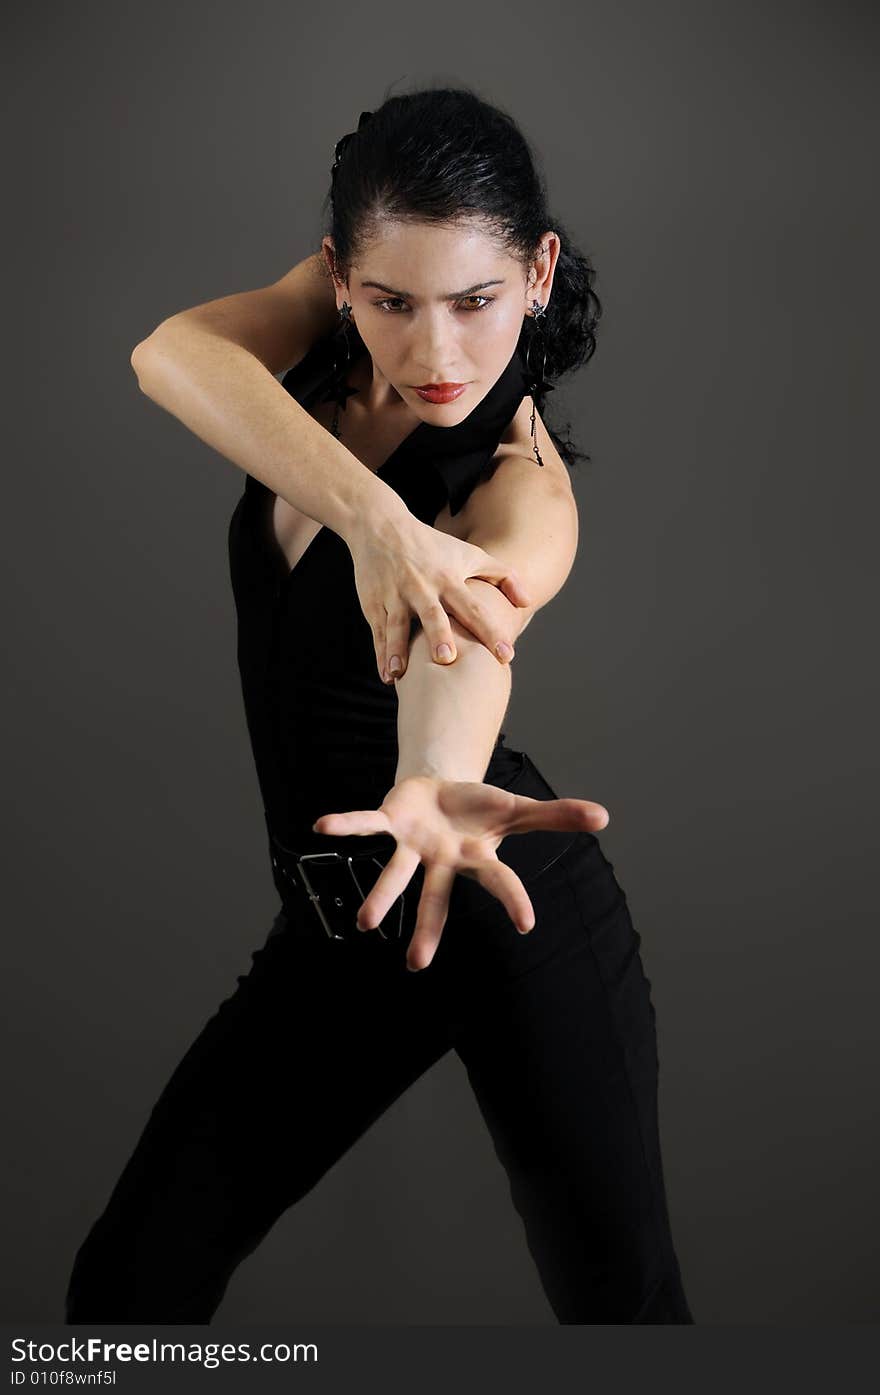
(707, 673)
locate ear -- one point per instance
(540, 278)
(329, 253)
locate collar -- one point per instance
(457, 454)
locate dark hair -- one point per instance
(440, 155)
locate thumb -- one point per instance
(514, 590)
(505, 577)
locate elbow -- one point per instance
(143, 358)
(138, 360)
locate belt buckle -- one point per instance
(315, 897)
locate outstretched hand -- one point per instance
(453, 826)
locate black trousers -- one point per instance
(556, 1030)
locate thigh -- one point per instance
(315, 1043)
(559, 1042)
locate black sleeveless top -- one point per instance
(322, 724)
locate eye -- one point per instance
(385, 305)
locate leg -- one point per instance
(559, 1043)
(313, 1046)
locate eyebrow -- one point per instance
(455, 295)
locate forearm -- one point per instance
(229, 399)
(449, 715)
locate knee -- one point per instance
(120, 1275)
(113, 1279)
(95, 1290)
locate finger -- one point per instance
(432, 913)
(572, 815)
(514, 590)
(482, 625)
(378, 627)
(504, 884)
(438, 632)
(505, 577)
(397, 642)
(391, 883)
(357, 821)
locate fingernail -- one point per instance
(413, 968)
(503, 650)
(444, 651)
(395, 665)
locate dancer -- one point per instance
(403, 493)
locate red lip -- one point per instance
(440, 392)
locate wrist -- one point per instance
(377, 512)
(423, 769)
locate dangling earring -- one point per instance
(537, 383)
(339, 391)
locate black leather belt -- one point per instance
(332, 886)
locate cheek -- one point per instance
(383, 346)
(498, 337)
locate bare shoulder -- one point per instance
(512, 460)
(517, 443)
(514, 467)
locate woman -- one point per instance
(403, 493)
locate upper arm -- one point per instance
(527, 516)
(278, 323)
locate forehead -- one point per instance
(424, 256)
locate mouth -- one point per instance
(440, 392)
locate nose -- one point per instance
(435, 352)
